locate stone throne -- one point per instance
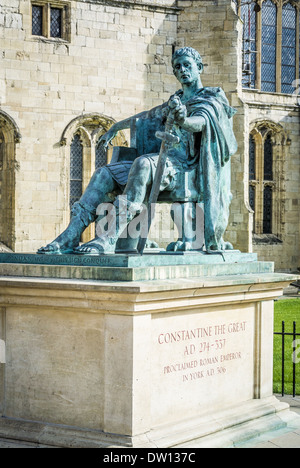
(186, 212)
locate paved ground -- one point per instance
(282, 438)
(288, 437)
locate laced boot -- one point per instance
(81, 217)
(118, 218)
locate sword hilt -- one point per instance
(168, 137)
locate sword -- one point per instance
(168, 140)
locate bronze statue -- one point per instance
(202, 123)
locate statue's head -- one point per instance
(190, 52)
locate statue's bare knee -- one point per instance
(141, 166)
(139, 180)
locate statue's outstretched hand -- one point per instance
(107, 138)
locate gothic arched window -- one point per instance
(85, 153)
(267, 146)
(9, 138)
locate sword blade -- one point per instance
(155, 189)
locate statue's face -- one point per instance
(186, 69)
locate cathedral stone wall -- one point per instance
(112, 62)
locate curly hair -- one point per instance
(191, 53)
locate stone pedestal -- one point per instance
(181, 362)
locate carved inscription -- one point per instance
(205, 352)
(71, 260)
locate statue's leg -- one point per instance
(124, 209)
(187, 218)
(139, 180)
(177, 217)
(83, 213)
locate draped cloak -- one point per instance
(217, 145)
(210, 151)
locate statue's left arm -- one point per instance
(193, 124)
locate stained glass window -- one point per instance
(268, 46)
(252, 169)
(37, 20)
(267, 195)
(267, 220)
(268, 159)
(248, 16)
(288, 55)
(101, 159)
(56, 22)
(76, 170)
